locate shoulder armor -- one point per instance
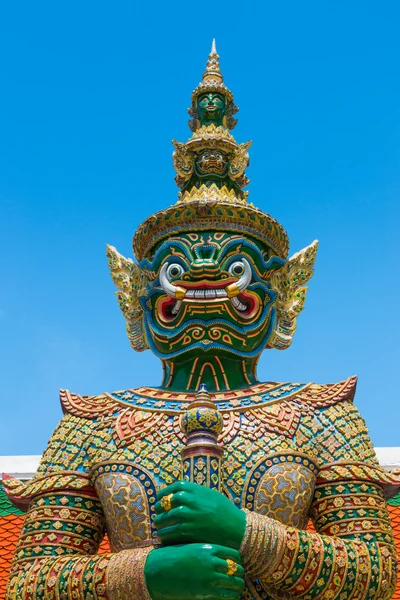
(89, 407)
(357, 471)
(21, 493)
(322, 396)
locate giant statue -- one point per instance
(206, 484)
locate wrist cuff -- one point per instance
(125, 575)
(263, 545)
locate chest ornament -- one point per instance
(132, 423)
(282, 418)
(281, 487)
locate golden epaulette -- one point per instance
(21, 493)
(322, 396)
(89, 407)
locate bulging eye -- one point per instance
(237, 268)
(175, 270)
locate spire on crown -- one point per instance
(211, 175)
(213, 72)
(211, 164)
(212, 82)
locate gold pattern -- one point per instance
(126, 509)
(290, 284)
(125, 575)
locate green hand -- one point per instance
(198, 514)
(193, 572)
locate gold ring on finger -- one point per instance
(166, 502)
(232, 567)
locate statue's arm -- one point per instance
(56, 554)
(353, 555)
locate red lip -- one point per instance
(166, 304)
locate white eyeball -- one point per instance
(174, 271)
(237, 268)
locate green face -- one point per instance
(211, 108)
(211, 164)
(210, 293)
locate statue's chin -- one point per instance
(195, 338)
(211, 118)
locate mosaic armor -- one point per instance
(252, 462)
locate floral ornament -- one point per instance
(289, 283)
(132, 283)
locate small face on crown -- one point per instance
(211, 107)
(211, 164)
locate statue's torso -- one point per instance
(275, 439)
(268, 465)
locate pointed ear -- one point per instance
(131, 282)
(289, 283)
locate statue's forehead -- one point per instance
(211, 93)
(215, 238)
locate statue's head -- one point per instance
(211, 289)
(212, 101)
(204, 288)
(213, 276)
(211, 108)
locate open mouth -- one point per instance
(243, 304)
(230, 290)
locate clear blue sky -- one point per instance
(93, 93)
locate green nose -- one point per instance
(205, 268)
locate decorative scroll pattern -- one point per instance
(127, 495)
(282, 418)
(86, 406)
(164, 401)
(131, 423)
(283, 490)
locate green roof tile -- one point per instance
(395, 501)
(6, 508)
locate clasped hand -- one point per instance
(201, 531)
(198, 514)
